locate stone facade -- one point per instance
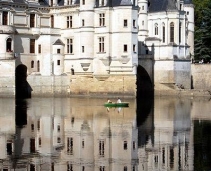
(95, 43)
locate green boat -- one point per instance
(123, 104)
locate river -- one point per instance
(80, 134)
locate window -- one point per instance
(101, 148)
(69, 21)
(70, 145)
(38, 125)
(171, 32)
(32, 127)
(69, 45)
(102, 2)
(9, 45)
(102, 168)
(58, 62)
(163, 156)
(164, 33)
(125, 168)
(32, 20)
(171, 158)
(125, 48)
(180, 30)
(134, 48)
(5, 18)
(134, 23)
(83, 22)
(58, 140)
(125, 23)
(187, 12)
(69, 167)
(39, 141)
(83, 2)
(58, 51)
(142, 23)
(101, 44)
(125, 145)
(39, 48)
(52, 21)
(134, 145)
(142, 7)
(69, 2)
(82, 49)
(156, 29)
(32, 45)
(32, 64)
(58, 128)
(38, 66)
(82, 143)
(102, 19)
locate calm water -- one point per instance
(80, 134)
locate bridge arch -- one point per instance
(22, 88)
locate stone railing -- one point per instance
(6, 29)
(7, 55)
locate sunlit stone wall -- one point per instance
(201, 74)
(103, 85)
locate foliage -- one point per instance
(202, 29)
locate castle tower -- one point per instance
(142, 20)
(142, 24)
(189, 8)
(86, 51)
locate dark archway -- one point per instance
(145, 102)
(22, 88)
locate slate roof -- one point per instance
(188, 2)
(58, 42)
(162, 5)
(121, 3)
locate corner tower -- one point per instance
(189, 8)
(142, 19)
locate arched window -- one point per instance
(32, 64)
(38, 66)
(9, 45)
(171, 32)
(164, 33)
(156, 29)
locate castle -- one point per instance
(96, 38)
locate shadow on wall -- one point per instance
(22, 87)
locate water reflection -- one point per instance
(80, 134)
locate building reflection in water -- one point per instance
(80, 134)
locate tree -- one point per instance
(202, 30)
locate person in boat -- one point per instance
(109, 101)
(118, 100)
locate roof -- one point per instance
(188, 2)
(162, 5)
(58, 42)
(113, 3)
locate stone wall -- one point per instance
(48, 85)
(103, 85)
(77, 85)
(201, 76)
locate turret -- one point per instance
(142, 19)
(189, 8)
